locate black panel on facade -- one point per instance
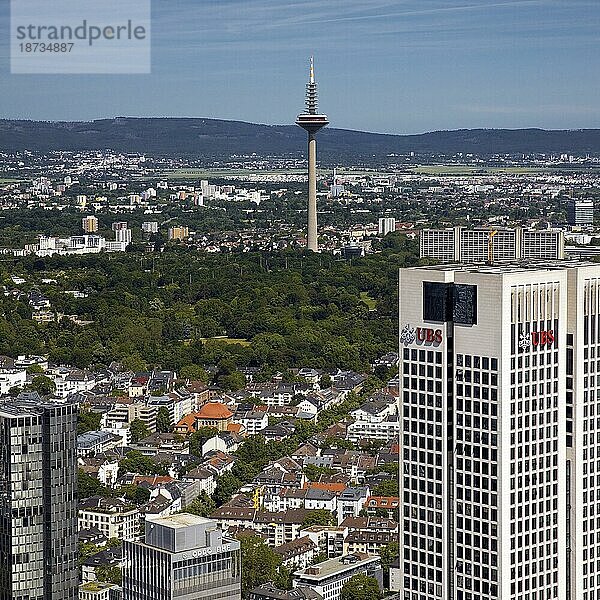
(450, 302)
(464, 310)
(436, 301)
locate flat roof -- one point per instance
(333, 566)
(181, 520)
(508, 267)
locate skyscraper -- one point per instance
(312, 123)
(184, 557)
(580, 212)
(500, 444)
(38, 501)
(484, 432)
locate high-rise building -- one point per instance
(118, 225)
(184, 557)
(123, 235)
(580, 212)
(386, 225)
(500, 440)
(150, 226)
(458, 244)
(179, 233)
(312, 122)
(38, 501)
(89, 224)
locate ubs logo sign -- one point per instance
(410, 335)
(536, 339)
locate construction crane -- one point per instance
(491, 246)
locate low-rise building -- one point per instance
(328, 578)
(114, 517)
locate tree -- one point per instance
(43, 385)
(233, 381)
(260, 563)
(85, 550)
(202, 506)
(109, 574)
(163, 420)
(138, 494)
(320, 516)
(361, 587)
(136, 462)
(313, 473)
(89, 486)
(193, 373)
(88, 421)
(388, 554)
(139, 430)
(227, 485)
(198, 438)
(386, 488)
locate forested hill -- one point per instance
(217, 138)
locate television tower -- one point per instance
(311, 121)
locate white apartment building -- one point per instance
(113, 517)
(458, 244)
(386, 225)
(484, 482)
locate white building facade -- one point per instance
(484, 443)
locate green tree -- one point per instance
(361, 587)
(320, 516)
(139, 430)
(260, 563)
(43, 385)
(109, 574)
(227, 485)
(198, 438)
(193, 373)
(85, 550)
(388, 554)
(313, 473)
(202, 506)
(89, 486)
(136, 462)
(386, 488)
(163, 420)
(88, 421)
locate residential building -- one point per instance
(89, 224)
(114, 517)
(459, 244)
(386, 225)
(38, 501)
(328, 578)
(94, 590)
(179, 233)
(183, 556)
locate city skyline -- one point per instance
(524, 63)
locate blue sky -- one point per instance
(403, 66)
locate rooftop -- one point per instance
(335, 565)
(181, 520)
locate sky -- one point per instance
(403, 66)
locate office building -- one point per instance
(89, 224)
(312, 122)
(580, 212)
(38, 501)
(500, 439)
(327, 578)
(179, 233)
(458, 244)
(386, 225)
(184, 557)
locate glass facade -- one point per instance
(38, 502)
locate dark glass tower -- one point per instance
(38, 501)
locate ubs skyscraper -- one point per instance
(38, 501)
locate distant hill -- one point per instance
(217, 138)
